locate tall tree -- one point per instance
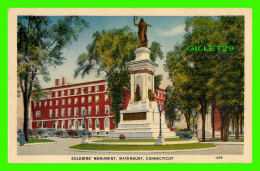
(108, 54)
(171, 105)
(39, 45)
(211, 77)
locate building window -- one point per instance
(38, 123)
(89, 90)
(107, 108)
(97, 109)
(89, 99)
(82, 90)
(106, 123)
(106, 87)
(40, 104)
(50, 103)
(97, 98)
(89, 110)
(63, 124)
(90, 123)
(69, 101)
(82, 110)
(62, 112)
(97, 88)
(97, 123)
(56, 93)
(76, 111)
(57, 102)
(76, 91)
(76, 100)
(38, 114)
(63, 101)
(69, 92)
(34, 103)
(82, 99)
(45, 103)
(62, 93)
(106, 97)
(50, 113)
(56, 112)
(70, 124)
(69, 111)
(44, 124)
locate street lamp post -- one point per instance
(160, 139)
(193, 116)
(194, 113)
(84, 136)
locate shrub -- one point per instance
(172, 129)
(122, 137)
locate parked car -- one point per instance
(185, 135)
(33, 134)
(51, 132)
(82, 132)
(88, 133)
(78, 133)
(73, 133)
(43, 133)
(58, 133)
(64, 134)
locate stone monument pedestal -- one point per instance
(141, 118)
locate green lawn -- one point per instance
(102, 136)
(34, 140)
(231, 139)
(174, 139)
(141, 147)
(137, 141)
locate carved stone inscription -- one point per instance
(134, 116)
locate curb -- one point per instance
(142, 151)
(149, 143)
(31, 144)
(224, 143)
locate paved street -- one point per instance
(59, 148)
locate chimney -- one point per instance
(63, 81)
(57, 82)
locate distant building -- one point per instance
(63, 109)
(209, 124)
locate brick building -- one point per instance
(63, 109)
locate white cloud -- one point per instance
(172, 32)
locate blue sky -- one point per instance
(167, 30)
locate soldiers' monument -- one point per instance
(141, 118)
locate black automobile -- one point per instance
(79, 133)
(185, 135)
(64, 134)
(87, 132)
(43, 133)
(51, 132)
(58, 133)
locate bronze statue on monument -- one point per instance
(142, 29)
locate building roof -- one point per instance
(75, 85)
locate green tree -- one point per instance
(171, 105)
(157, 81)
(108, 54)
(39, 45)
(230, 75)
(210, 77)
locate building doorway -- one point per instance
(76, 125)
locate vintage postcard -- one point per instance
(130, 85)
